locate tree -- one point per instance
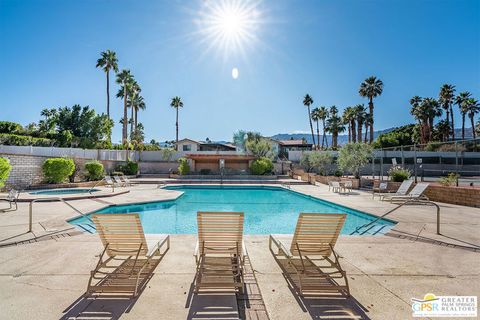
(125, 79)
(176, 103)
(446, 99)
(473, 107)
(239, 139)
(371, 88)
(316, 117)
(334, 126)
(367, 121)
(425, 111)
(353, 156)
(323, 115)
(460, 101)
(260, 148)
(108, 61)
(360, 115)
(307, 101)
(349, 119)
(316, 161)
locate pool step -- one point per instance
(372, 230)
(87, 227)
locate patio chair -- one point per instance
(382, 189)
(11, 198)
(415, 194)
(128, 257)
(220, 251)
(109, 182)
(119, 181)
(311, 260)
(126, 181)
(336, 187)
(348, 185)
(402, 190)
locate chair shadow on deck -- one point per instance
(211, 305)
(328, 306)
(111, 305)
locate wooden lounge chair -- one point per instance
(402, 190)
(119, 181)
(129, 256)
(415, 194)
(11, 198)
(220, 251)
(308, 260)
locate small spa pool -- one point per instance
(58, 192)
(267, 210)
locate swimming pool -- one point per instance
(53, 192)
(267, 210)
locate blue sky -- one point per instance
(324, 48)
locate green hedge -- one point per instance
(261, 166)
(10, 127)
(94, 170)
(57, 170)
(5, 168)
(129, 169)
(16, 140)
(183, 167)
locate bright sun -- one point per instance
(229, 26)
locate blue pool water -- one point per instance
(267, 210)
(51, 192)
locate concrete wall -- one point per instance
(464, 196)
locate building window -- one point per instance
(187, 147)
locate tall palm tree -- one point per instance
(307, 101)
(108, 61)
(316, 117)
(335, 126)
(323, 115)
(133, 94)
(176, 103)
(360, 114)
(473, 108)
(460, 102)
(138, 104)
(349, 117)
(367, 124)
(371, 88)
(446, 99)
(346, 121)
(416, 112)
(432, 109)
(125, 79)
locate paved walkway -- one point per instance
(47, 279)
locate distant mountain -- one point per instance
(343, 138)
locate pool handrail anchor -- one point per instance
(414, 201)
(30, 211)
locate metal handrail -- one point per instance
(30, 213)
(401, 205)
(96, 184)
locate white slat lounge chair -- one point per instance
(220, 251)
(109, 182)
(127, 181)
(415, 194)
(11, 198)
(381, 190)
(307, 255)
(128, 258)
(119, 181)
(402, 190)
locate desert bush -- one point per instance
(5, 168)
(94, 170)
(183, 167)
(130, 168)
(354, 156)
(57, 170)
(261, 166)
(450, 180)
(399, 174)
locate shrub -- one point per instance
(316, 161)
(117, 173)
(5, 168)
(16, 140)
(183, 167)
(205, 171)
(353, 156)
(130, 168)
(450, 180)
(94, 170)
(261, 166)
(399, 174)
(57, 170)
(10, 127)
(260, 148)
(338, 173)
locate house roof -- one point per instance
(186, 139)
(219, 156)
(297, 142)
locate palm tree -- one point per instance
(346, 121)
(138, 104)
(367, 124)
(473, 108)
(432, 109)
(316, 117)
(460, 102)
(446, 98)
(349, 117)
(133, 94)
(108, 60)
(323, 115)
(360, 114)
(416, 112)
(125, 78)
(307, 101)
(176, 103)
(371, 88)
(334, 125)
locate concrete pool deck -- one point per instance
(48, 278)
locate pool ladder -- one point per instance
(30, 212)
(374, 229)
